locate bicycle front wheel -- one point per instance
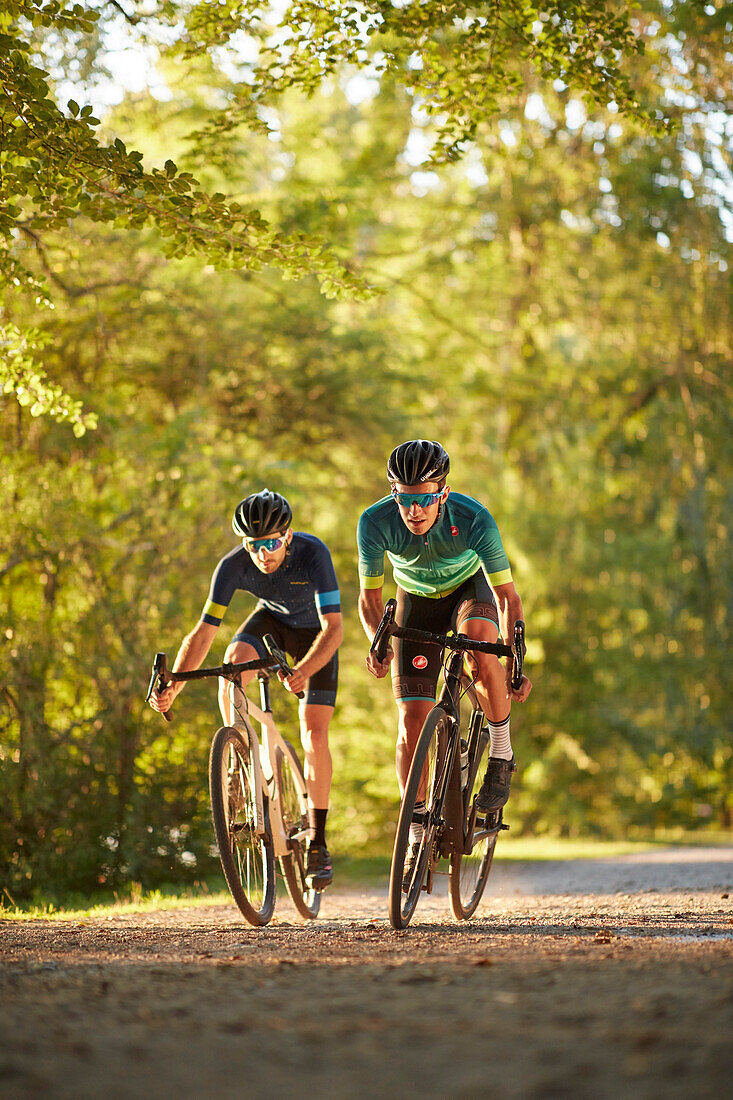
(293, 799)
(468, 873)
(248, 859)
(428, 782)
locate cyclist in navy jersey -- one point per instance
(292, 576)
(452, 573)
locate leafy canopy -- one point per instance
(459, 61)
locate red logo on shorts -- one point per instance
(419, 661)
(454, 530)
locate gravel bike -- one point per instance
(259, 803)
(445, 776)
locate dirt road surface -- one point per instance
(602, 978)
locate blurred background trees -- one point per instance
(551, 301)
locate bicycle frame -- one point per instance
(263, 755)
(451, 695)
(463, 840)
(449, 816)
(453, 802)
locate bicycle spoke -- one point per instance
(428, 774)
(293, 802)
(469, 871)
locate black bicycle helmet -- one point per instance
(261, 514)
(418, 460)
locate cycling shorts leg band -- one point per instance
(483, 611)
(320, 698)
(250, 639)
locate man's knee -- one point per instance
(314, 725)
(410, 722)
(240, 651)
(314, 740)
(484, 666)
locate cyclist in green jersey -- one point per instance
(451, 572)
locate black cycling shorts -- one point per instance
(416, 665)
(321, 686)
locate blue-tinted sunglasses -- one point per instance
(255, 545)
(423, 500)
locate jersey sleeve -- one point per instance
(221, 590)
(371, 549)
(486, 541)
(327, 596)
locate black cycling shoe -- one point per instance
(494, 791)
(409, 866)
(318, 871)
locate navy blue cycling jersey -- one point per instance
(304, 585)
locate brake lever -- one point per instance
(158, 680)
(384, 632)
(520, 649)
(279, 657)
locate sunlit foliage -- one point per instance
(554, 306)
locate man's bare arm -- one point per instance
(510, 609)
(191, 655)
(371, 609)
(321, 651)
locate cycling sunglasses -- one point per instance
(423, 500)
(255, 545)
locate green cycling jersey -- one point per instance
(463, 539)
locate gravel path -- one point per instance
(592, 978)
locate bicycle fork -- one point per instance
(436, 821)
(260, 826)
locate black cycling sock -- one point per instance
(317, 826)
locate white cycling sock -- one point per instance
(501, 743)
(416, 829)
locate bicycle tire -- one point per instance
(248, 860)
(468, 873)
(431, 751)
(293, 799)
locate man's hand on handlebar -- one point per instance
(295, 682)
(379, 668)
(517, 695)
(162, 701)
(380, 654)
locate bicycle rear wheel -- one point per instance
(293, 799)
(429, 778)
(468, 872)
(248, 860)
